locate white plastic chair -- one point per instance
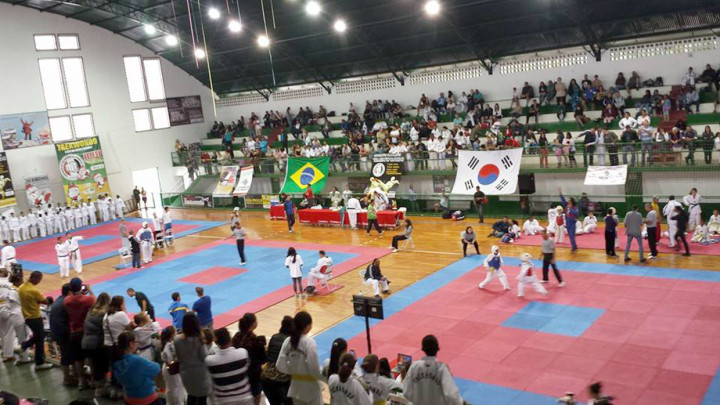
(409, 242)
(125, 255)
(326, 271)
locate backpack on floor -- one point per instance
(458, 216)
(310, 290)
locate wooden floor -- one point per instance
(437, 244)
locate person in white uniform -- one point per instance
(111, 206)
(669, 212)
(532, 227)
(429, 381)
(5, 229)
(315, 273)
(12, 323)
(8, 255)
(167, 223)
(693, 200)
(298, 357)
(59, 221)
(86, 214)
(379, 386)
(352, 208)
(589, 223)
(344, 388)
(32, 222)
(119, 207)
(527, 277)
(91, 212)
(145, 236)
(42, 229)
(69, 219)
(74, 250)
(714, 223)
(63, 254)
(103, 208)
(158, 228)
(50, 222)
(552, 217)
(78, 214)
(14, 227)
(493, 263)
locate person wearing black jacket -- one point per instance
(275, 384)
(375, 278)
(255, 345)
(134, 249)
(589, 141)
(681, 218)
(500, 228)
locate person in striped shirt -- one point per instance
(228, 369)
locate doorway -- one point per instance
(148, 179)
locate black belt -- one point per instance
(63, 256)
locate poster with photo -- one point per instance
(25, 130)
(37, 190)
(82, 168)
(7, 192)
(185, 110)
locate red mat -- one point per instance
(596, 240)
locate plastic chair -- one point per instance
(125, 255)
(409, 241)
(326, 271)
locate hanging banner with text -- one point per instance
(228, 177)
(7, 192)
(243, 185)
(387, 165)
(82, 168)
(495, 172)
(606, 175)
(25, 130)
(37, 189)
(185, 110)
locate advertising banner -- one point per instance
(197, 200)
(82, 168)
(228, 177)
(37, 189)
(7, 192)
(185, 110)
(243, 185)
(606, 175)
(25, 130)
(387, 165)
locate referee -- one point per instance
(548, 258)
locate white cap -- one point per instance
(144, 224)
(494, 248)
(236, 209)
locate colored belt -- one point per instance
(75, 250)
(381, 402)
(63, 256)
(145, 347)
(10, 258)
(303, 377)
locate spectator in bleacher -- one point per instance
(585, 81)
(542, 92)
(710, 76)
(666, 106)
(596, 83)
(589, 142)
(645, 103)
(620, 83)
(707, 140)
(646, 135)
(628, 121)
(643, 117)
(609, 114)
(568, 149)
(527, 93)
(689, 77)
(422, 103)
(611, 143)
(561, 112)
(676, 144)
(629, 138)
(717, 144)
(515, 109)
(692, 98)
(575, 92)
(618, 101)
(497, 112)
(533, 111)
(690, 138)
(633, 83)
(580, 117)
(560, 91)
(543, 145)
(602, 98)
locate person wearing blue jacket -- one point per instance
(571, 218)
(135, 374)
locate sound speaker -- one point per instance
(526, 183)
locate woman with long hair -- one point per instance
(115, 322)
(255, 345)
(345, 389)
(298, 357)
(191, 352)
(406, 234)
(92, 342)
(175, 393)
(294, 262)
(135, 374)
(543, 144)
(379, 386)
(276, 384)
(331, 365)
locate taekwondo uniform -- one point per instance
(694, 210)
(86, 214)
(63, 255)
(78, 214)
(532, 227)
(5, 229)
(527, 277)
(559, 225)
(714, 224)
(49, 222)
(111, 207)
(353, 206)
(429, 382)
(69, 219)
(303, 366)
(493, 263)
(119, 206)
(24, 227)
(7, 255)
(552, 216)
(350, 392)
(12, 323)
(315, 273)
(74, 250)
(14, 227)
(589, 224)
(669, 212)
(91, 211)
(380, 387)
(145, 236)
(42, 230)
(59, 224)
(32, 221)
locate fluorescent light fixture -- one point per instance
(432, 8)
(214, 13)
(171, 40)
(263, 41)
(340, 26)
(200, 53)
(234, 26)
(149, 29)
(313, 8)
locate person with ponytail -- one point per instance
(379, 386)
(332, 365)
(175, 393)
(298, 357)
(255, 345)
(190, 352)
(274, 383)
(345, 389)
(430, 382)
(294, 262)
(136, 374)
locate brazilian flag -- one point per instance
(303, 172)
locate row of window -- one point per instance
(52, 42)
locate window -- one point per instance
(45, 42)
(144, 77)
(83, 125)
(142, 120)
(52, 82)
(68, 42)
(160, 117)
(61, 128)
(75, 82)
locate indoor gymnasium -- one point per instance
(366, 202)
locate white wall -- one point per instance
(102, 53)
(497, 86)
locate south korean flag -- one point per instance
(496, 172)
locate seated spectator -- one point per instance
(689, 78)
(596, 83)
(609, 114)
(618, 101)
(634, 83)
(692, 98)
(710, 76)
(500, 228)
(620, 83)
(580, 117)
(527, 93)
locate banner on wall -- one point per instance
(185, 110)
(304, 172)
(245, 181)
(261, 201)
(606, 175)
(7, 192)
(228, 177)
(25, 130)
(387, 165)
(495, 172)
(37, 189)
(197, 200)
(82, 168)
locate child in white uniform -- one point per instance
(493, 263)
(559, 225)
(119, 206)
(298, 357)
(63, 255)
(589, 223)
(532, 226)
(379, 386)
(145, 236)
(50, 222)
(294, 263)
(714, 223)
(144, 332)
(527, 277)
(552, 220)
(702, 234)
(346, 389)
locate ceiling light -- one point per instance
(432, 7)
(171, 40)
(340, 26)
(200, 53)
(263, 41)
(313, 8)
(214, 13)
(149, 29)
(234, 26)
